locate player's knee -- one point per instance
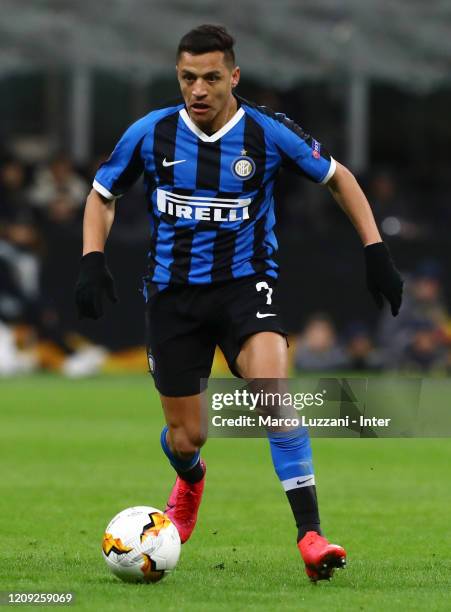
(263, 355)
(185, 444)
(184, 448)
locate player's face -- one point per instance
(206, 83)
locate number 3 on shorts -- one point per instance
(263, 285)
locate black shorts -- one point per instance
(186, 323)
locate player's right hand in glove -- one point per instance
(382, 277)
(94, 280)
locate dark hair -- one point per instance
(206, 38)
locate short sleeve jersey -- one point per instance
(210, 197)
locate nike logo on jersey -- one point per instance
(260, 315)
(166, 164)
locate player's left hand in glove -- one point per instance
(382, 277)
(94, 280)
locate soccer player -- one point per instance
(209, 163)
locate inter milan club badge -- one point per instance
(243, 167)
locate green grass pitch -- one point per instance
(74, 453)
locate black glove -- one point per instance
(94, 280)
(382, 278)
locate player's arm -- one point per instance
(112, 180)
(302, 154)
(95, 279)
(383, 279)
(97, 222)
(349, 195)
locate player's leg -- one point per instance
(180, 354)
(264, 356)
(181, 441)
(184, 434)
(255, 347)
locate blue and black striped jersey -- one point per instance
(210, 197)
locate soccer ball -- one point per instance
(141, 545)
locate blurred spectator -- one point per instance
(360, 350)
(423, 303)
(19, 270)
(12, 360)
(318, 348)
(31, 330)
(19, 290)
(14, 201)
(58, 190)
(61, 210)
(394, 210)
(425, 351)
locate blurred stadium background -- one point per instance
(371, 80)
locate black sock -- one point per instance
(194, 474)
(304, 506)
